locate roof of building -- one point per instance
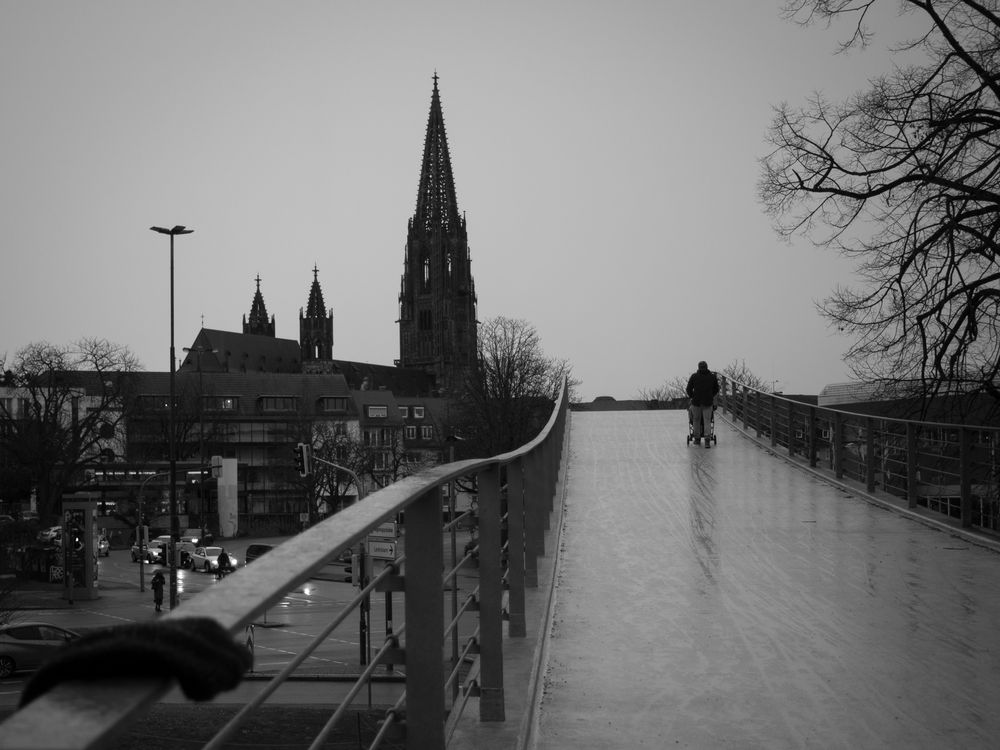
(228, 351)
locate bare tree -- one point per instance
(904, 177)
(738, 371)
(668, 391)
(676, 387)
(69, 401)
(512, 393)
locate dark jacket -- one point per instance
(702, 388)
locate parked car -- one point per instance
(207, 558)
(30, 516)
(151, 553)
(256, 550)
(4, 518)
(49, 535)
(103, 547)
(26, 645)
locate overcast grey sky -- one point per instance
(605, 155)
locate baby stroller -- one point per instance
(691, 437)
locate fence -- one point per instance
(515, 497)
(950, 469)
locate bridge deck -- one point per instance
(723, 598)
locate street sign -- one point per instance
(387, 530)
(381, 550)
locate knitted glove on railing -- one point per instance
(196, 651)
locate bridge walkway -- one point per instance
(725, 598)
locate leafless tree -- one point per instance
(68, 401)
(676, 387)
(670, 390)
(511, 395)
(738, 371)
(903, 177)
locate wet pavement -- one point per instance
(725, 599)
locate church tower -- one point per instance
(437, 298)
(316, 331)
(258, 324)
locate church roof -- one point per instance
(226, 351)
(437, 207)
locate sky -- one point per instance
(605, 155)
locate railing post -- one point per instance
(424, 605)
(812, 436)
(911, 465)
(965, 474)
(772, 418)
(791, 428)
(534, 537)
(491, 698)
(838, 445)
(870, 453)
(516, 626)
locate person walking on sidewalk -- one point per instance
(702, 388)
(157, 585)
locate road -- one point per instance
(278, 635)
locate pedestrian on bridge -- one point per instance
(702, 388)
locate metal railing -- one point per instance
(515, 498)
(949, 469)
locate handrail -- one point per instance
(79, 715)
(949, 470)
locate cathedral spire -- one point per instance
(258, 323)
(437, 207)
(437, 297)
(315, 307)
(316, 331)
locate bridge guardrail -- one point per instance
(950, 469)
(516, 495)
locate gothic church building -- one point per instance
(438, 342)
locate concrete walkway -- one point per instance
(725, 599)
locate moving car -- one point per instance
(26, 645)
(49, 535)
(151, 553)
(207, 558)
(256, 550)
(103, 547)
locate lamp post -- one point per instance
(175, 530)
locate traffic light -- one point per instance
(303, 459)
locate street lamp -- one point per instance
(175, 529)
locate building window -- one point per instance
(404, 412)
(220, 403)
(6, 406)
(426, 432)
(378, 412)
(155, 403)
(333, 403)
(277, 403)
(411, 432)
(340, 429)
(418, 412)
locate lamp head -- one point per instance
(179, 229)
